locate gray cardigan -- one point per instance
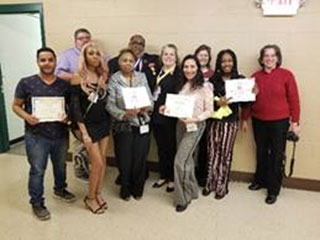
(115, 103)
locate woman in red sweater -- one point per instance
(275, 110)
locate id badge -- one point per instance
(156, 93)
(93, 97)
(191, 127)
(144, 129)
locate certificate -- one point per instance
(179, 106)
(48, 109)
(135, 97)
(240, 90)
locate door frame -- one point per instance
(18, 9)
(26, 8)
(4, 133)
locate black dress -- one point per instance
(93, 115)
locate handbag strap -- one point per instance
(91, 104)
(291, 162)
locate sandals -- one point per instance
(98, 210)
(103, 204)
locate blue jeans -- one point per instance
(38, 151)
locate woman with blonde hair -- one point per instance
(88, 101)
(164, 128)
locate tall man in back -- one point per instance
(68, 60)
(146, 63)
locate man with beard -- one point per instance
(42, 138)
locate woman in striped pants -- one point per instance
(223, 130)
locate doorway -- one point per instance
(22, 33)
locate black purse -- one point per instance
(292, 137)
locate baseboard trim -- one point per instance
(294, 183)
(16, 140)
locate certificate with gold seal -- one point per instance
(48, 109)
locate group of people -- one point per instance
(93, 90)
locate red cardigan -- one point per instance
(277, 98)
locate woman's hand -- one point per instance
(131, 112)
(147, 110)
(162, 109)
(255, 89)
(244, 125)
(294, 127)
(189, 120)
(87, 141)
(223, 101)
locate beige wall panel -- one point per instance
(235, 24)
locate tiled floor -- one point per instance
(241, 215)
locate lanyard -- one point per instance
(162, 76)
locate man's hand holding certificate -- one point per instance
(240, 90)
(179, 106)
(49, 109)
(135, 97)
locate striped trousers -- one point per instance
(221, 138)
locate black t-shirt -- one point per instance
(34, 86)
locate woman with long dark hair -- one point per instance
(222, 132)
(192, 84)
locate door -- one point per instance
(4, 139)
(21, 27)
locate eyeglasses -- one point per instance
(137, 43)
(83, 38)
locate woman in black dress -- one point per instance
(88, 101)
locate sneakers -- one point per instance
(41, 212)
(64, 195)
